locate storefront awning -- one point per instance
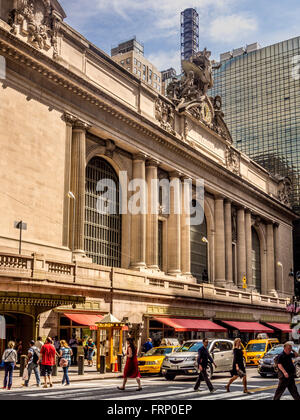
(89, 320)
(285, 328)
(191, 324)
(248, 327)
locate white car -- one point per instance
(184, 360)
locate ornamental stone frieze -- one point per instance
(38, 21)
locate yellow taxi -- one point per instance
(256, 349)
(151, 362)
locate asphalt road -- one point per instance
(154, 388)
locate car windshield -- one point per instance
(158, 352)
(275, 350)
(256, 347)
(191, 346)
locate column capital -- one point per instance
(69, 118)
(175, 174)
(185, 177)
(219, 197)
(81, 125)
(140, 156)
(152, 163)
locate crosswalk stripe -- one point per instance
(142, 395)
(219, 395)
(254, 397)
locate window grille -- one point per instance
(102, 236)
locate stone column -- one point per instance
(228, 244)
(174, 226)
(152, 215)
(185, 232)
(270, 260)
(220, 242)
(248, 228)
(78, 184)
(68, 205)
(138, 221)
(241, 247)
(279, 273)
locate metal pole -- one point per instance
(73, 238)
(20, 243)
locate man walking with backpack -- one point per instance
(287, 373)
(33, 364)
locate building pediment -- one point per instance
(38, 22)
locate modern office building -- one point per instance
(167, 77)
(130, 55)
(260, 89)
(189, 33)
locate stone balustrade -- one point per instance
(91, 275)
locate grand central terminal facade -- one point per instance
(69, 117)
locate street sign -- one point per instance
(245, 283)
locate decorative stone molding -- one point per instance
(38, 21)
(165, 114)
(233, 161)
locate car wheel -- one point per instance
(210, 372)
(170, 376)
(298, 371)
(263, 375)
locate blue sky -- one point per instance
(224, 24)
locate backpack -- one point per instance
(35, 356)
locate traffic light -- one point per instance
(297, 285)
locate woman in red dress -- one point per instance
(131, 368)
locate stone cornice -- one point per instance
(29, 57)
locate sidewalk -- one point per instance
(90, 374)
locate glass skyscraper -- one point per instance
(260, 89)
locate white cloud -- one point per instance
(163, 60)
(232, 28)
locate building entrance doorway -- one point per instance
(19, 327)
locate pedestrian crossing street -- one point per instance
(158, 391)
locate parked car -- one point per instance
(184, 360)
(267, 363)
(256, 349)
(151, 362)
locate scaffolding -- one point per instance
(189, 33)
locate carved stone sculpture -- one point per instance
(189, 94)
(37, 20)
(233, 161)
(285, 191)
(164, 113)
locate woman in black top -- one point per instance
(238, 368)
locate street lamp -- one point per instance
(72, 197)
(279, 264)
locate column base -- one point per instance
(174, 273)
(220, 283)
(138, 267)
(80, 256)
(273, 293)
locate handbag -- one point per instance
(63, 362)
(2, 364)
(25, 374)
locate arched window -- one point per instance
(102, 232)
(199, 252)
(256, 260)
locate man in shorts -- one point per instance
(47, 360)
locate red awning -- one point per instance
(285, 328)
(248, 327)
(85, 319)
(191, 325)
